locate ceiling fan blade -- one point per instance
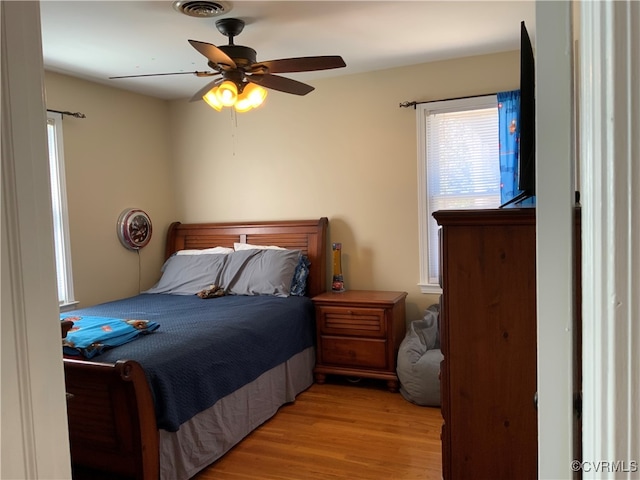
(281, 84)
(200, 93)
(213, 53)
(300, 64)
(197, 74)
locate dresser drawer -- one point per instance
(360, 322)
(353, 352)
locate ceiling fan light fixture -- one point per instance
(202, 8)
(251, 97)
(243, 105)
(255, 94)
(227, 93)
(211, 98)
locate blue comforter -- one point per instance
(206, 349)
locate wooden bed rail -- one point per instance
(114, 426)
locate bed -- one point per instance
(123, 418)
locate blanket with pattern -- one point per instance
(91, 335)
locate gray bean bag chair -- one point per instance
(419, 358)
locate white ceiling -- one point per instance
(98, 39)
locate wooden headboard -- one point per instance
(308, 236)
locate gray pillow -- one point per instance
(189, 274)
(260, 272)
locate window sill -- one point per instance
(66, 307)
(430, 289)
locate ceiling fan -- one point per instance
(241, 76)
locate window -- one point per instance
(59, 208)
(459, 168)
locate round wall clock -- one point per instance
(134, 228)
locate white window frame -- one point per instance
(62, 243)
(427, 284)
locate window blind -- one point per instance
(463, 170)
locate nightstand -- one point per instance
(358, 334)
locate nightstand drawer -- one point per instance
(353, 352)
(361, 322)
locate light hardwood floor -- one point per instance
(339, 430)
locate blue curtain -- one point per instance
(509, 126)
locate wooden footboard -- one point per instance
(112, 425)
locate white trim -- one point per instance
(610, 147)
(429, 288)
(55, 119)
(422, 112)
(554, 237)
(34, 436)
(67, 307)
(423, 210)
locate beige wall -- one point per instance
(117, 157)
(345, 151)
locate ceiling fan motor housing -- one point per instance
(243, 56)
(237, 77)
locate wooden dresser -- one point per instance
(488, 339)
(358, 334)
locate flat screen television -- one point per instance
(527, 143)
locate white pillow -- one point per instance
(248, 246)
(205, 251)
